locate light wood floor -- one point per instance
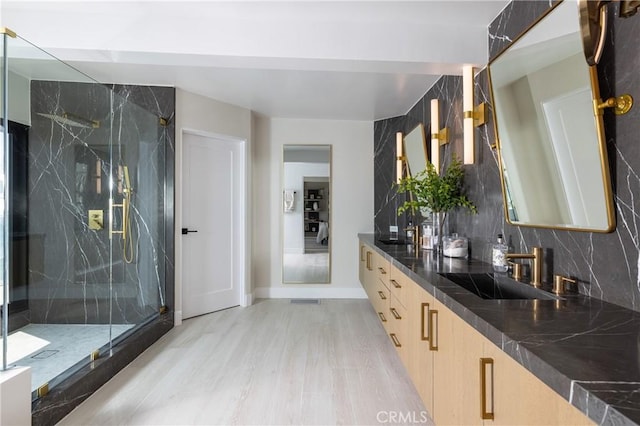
(271, 363)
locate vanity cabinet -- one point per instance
(461, 376)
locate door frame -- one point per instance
(243, 266)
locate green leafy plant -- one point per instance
(437, 193)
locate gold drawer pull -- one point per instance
(395, 284)
(395, 313)
(362, 253)
(382, 271)
(382, 318)
(484, 413)
(382, 296)
(396, 342)
(433, 330)
(424, 326)
(369, 268)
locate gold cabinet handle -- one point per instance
(433, 330)
(369, 261)
(395, 284)
(484, 413)
(362, 253)
(382, 296)
(424, 326)
(395, 313)
(382, 271)
(382, 318)
(396, 342)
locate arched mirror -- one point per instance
(306, 214)
(553, 158)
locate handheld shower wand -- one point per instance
(127, 249)
(128, 254)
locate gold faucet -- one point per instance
(560, 284)
(536, 264)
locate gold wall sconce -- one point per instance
(474, 116)
(438, 136)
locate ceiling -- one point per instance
(349, 60)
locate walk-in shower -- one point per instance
(86, 215)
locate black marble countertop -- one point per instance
(586, 349)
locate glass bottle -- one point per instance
(499, 255)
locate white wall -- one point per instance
(19, 99)
(351, 198)
(203, 115)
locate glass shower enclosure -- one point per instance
(83, 193)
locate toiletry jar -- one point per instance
(455, 246)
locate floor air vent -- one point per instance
(306, 301)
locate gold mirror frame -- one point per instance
(598, 107)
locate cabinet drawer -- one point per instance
(398, 330)
(381, 299)
(382, 269)
(398, 284)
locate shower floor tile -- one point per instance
(67, 345)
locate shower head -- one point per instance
(72, 120)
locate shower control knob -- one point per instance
(185, 231)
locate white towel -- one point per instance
(323, 232)
(289, 199)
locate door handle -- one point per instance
(185, 231)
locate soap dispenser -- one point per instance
(410, 231)
(499, 255)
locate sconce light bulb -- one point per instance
(435, 129)
(467, 106)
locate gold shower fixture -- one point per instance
(124, 186)
(66, 118)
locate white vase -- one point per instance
(315, 206)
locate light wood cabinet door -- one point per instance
(520, 398)
(419, 356)
(456, 367)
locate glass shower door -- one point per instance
(136, 225)
(93, 228)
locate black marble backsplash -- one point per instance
(606, 265)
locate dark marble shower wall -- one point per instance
(607, 265)
(71, 282)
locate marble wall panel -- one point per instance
(72, 283)
(607, 265)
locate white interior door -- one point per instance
(212, 217)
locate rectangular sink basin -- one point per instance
(488, 286)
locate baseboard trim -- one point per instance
(247, 300)
(177, 318)
(309, 293)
